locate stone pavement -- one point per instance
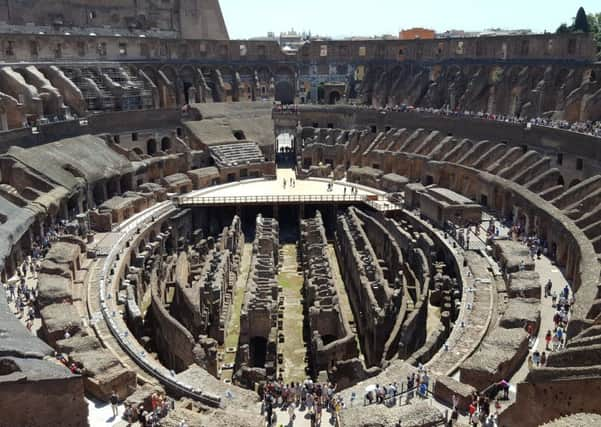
(547, 270)
(101, 415)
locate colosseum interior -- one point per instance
(222, 233)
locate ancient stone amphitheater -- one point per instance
(174, 222)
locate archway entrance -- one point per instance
(187, 87)
(151, 147)
(258, 352)
(285, 150)
(334, 97)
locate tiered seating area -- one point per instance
(239, 154)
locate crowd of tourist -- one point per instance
(417, 385)
(160, 407)
(484, 407)
(561, 301)
(588, 127)
(314, 398)
(21, 293)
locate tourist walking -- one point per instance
(291, 414)
(114, 403)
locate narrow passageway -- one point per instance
(547, 271)
(343, 299)
(232, 334)
(292, 348)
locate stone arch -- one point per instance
(99, 193)
(151, 146)
(229, 83)
(171, 74)
(189, 84)
(151, 73)
(165, 144)
(247, 84)
(334, 97)
(264, 75)
(245, 72)
(561, 76)
(126, 182)
(141, 246)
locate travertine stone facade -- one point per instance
(187, 19)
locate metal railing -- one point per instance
(280, 199)
(129, 344)
(412, 392)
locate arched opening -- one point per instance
(285, 151)
(8, 367)
(99, 193)
(321, 93)
(165, 144)
(151, 147)
(239, 135)
(214, 91)
(126, 183)
(284, 92)
(170, 245)
(560, 181)
(187, 86)
(334, 97)
(113, 187)
(258, 352)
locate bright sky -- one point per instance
(340, 18)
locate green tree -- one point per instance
(581, 21)
(592, 26)
(594, 22)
